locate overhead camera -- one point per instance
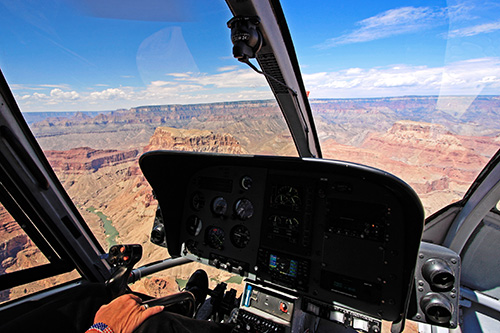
(246, 38)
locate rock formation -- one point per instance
(166, 138)
(438, 160)
(79, 159)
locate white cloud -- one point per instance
(110, 94)
(229, 84)
(231, 79)
(180, 75)
(39, 86)
(55, 97)
(405, 20)
(475, 30)
(468, 77)
(462, 12)
(227, 68)
(64, 95)
(390, 23)
(159, 83)
(60, 86)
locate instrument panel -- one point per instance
(329, 231)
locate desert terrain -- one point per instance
(437, 145)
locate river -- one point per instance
(109, 229)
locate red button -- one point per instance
(283, 307)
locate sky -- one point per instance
(75, 55)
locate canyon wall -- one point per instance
(437, 145)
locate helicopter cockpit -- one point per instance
(319, 244)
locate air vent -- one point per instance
(270, 66)
(435, 297)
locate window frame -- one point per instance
(58, 264)
(37, 201)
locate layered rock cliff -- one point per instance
(80, 159)
(439, 165)
(165, 138)
(433, 147)
(393, 134)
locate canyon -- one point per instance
(437, 145)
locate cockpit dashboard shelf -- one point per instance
(327, 230)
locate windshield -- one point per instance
(407, 87)
(410, 88)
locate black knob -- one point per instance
(158, 234)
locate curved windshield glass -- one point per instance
(407, 87)
(101, 84)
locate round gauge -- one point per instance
(194, 225)
(295, 200)
(219, 206)
(275, 219)
(198, 201)
(240, 236)
(246, 183)
(292, 222)
(288, 191)
(244, 209)
(281, 199)
(215, 237)
(287, 196)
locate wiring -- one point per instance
(293, 91)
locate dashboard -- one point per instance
(327, 232)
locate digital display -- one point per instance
(348, 285)
(358, 219)
(283, 266)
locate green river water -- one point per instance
(109, 229)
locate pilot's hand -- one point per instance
(125, 313)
